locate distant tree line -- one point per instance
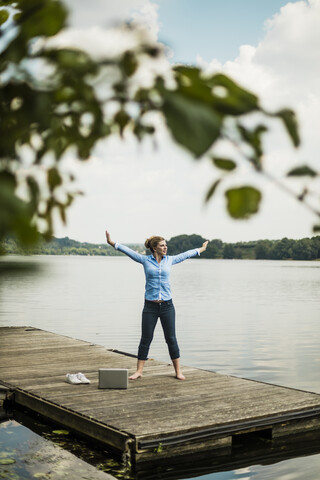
(284, 249)
(63, 246)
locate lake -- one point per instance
(253, 319)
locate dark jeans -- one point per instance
(150, 314)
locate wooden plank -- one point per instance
(84, 425)
(294, 428)
(153, 410)
(176, 424)
(220, 446)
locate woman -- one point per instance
(158, 301)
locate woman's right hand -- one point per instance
(204, 246)
(109, 239)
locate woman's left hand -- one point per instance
(204, 246)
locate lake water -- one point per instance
(254, 319)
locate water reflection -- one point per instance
(26, 455)
(254, 459)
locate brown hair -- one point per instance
(152, 242)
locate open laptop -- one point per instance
(113, 378)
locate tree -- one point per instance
(263, 249)
(46, 115)
(183, 243)
(228, 251)
(302, 250)
(315, 242)
(282, 249)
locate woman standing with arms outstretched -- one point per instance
(158, 301)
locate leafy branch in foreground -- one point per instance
(56, 100)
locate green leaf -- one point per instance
(7, 461)
(212, 189)
(54, 178)
(224, 163)
(122, 119)
(193, 124)
(34, 192)
(141, 130)
(290, 120)
(65, 94)
(152, 51)
(192, 84)
(58, 144)
(62, 211)
(243, 202)
(7, 179)
(159, 448)
(61, 432)
(304, 170)
(41, 18)
(143, 95)
(4, 15)
(84, 149)
(71, 59)
(253, 139)
(234, 100)
(15, 214)
(129, 63)
(189, 110)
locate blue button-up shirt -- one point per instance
(157, 274)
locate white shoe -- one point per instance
(72, 378)
(83, 379)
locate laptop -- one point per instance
(113, 378)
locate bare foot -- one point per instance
(180, 376)
(135, 376)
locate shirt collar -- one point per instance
(151, 257)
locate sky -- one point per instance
(137, 190)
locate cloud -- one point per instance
(147, 17)
(289, 50)
(102, 13)
(284, 70)
(94, 28)
(96, 41)
(285, 65)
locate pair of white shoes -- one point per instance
(76, 378)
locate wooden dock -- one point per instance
(157, 416)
